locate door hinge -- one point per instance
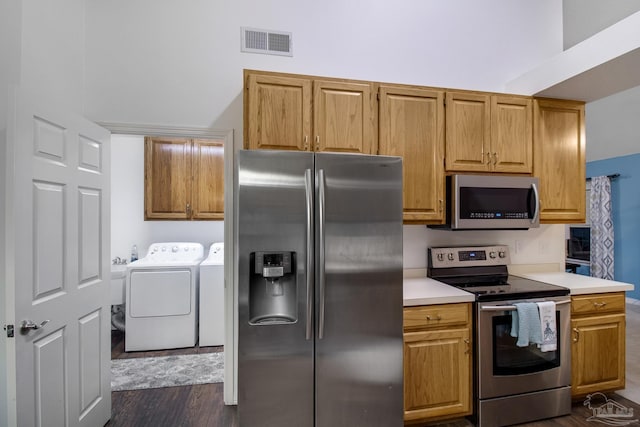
(9, 329)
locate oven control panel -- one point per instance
(468, 256)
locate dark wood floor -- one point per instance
(203, 405)
(185, 406)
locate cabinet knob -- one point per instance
(576, 337)
(495, 158)
(317, 143)
(437, 317)
(467, 342)
(599, 304)
(306, 142)
(440, 205)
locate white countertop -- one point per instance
(577, 283)
(426, 291)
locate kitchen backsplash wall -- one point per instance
(543, 245)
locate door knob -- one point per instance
(29, 324)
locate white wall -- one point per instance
(612, 125)
(164, 63)
(128, 226)
(584, 18)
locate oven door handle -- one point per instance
(512, 307)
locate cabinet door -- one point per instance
(208, 179)
(343, 114)
(598, 354)
(437, 374)
(468, 122)
(167, 178)
(559, 160)
(511, 134)
(411, 125)
(277, 112)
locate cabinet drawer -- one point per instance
(436, 315)
(597, 303)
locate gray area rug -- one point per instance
(166, 371)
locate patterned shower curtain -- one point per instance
(601, 228)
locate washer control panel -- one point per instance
(468, 256)
(174, 252)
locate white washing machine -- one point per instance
(212, 297)
(161, 297)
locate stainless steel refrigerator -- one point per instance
(319, 262)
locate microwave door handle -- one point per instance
(536, 212)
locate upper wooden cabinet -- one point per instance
(559, 159)
(184, 178)
(488, 133)
(411, 125)
(285, 112)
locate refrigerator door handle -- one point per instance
(308, 188)
(321, 269)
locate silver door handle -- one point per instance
(513, 307)
(28, 325)
(321, 258)
(308, 188)
(537, 211)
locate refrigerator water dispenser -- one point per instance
(272, 291)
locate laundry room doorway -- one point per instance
(133, 224)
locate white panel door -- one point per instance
(58, 266)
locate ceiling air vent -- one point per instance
(265, 41)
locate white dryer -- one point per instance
(161, 297)
(212, 297)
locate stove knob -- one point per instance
(502, 254)
(440, 257)
(450, 256)
(174, 249)
(492, 255)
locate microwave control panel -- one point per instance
(468, 256)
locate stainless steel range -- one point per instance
(512, 384)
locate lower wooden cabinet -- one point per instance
(437, 362)
(598, 343)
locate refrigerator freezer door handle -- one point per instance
(308, 188)
(321, 272)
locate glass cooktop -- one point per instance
(513, 287)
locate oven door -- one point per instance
(506, 369)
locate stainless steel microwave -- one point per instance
(481, 202)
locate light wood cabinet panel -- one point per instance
(342, 117)
(303, 113)
(167, 178)
(277, 112)
(559, 160)
(511, 134)
(598, 326)
(598, 354)
(436, 316)
(208, 179)
(468, 134)
(489, 133)
(184, 179)
(411, 125)
(598, 304)
(437, 365)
